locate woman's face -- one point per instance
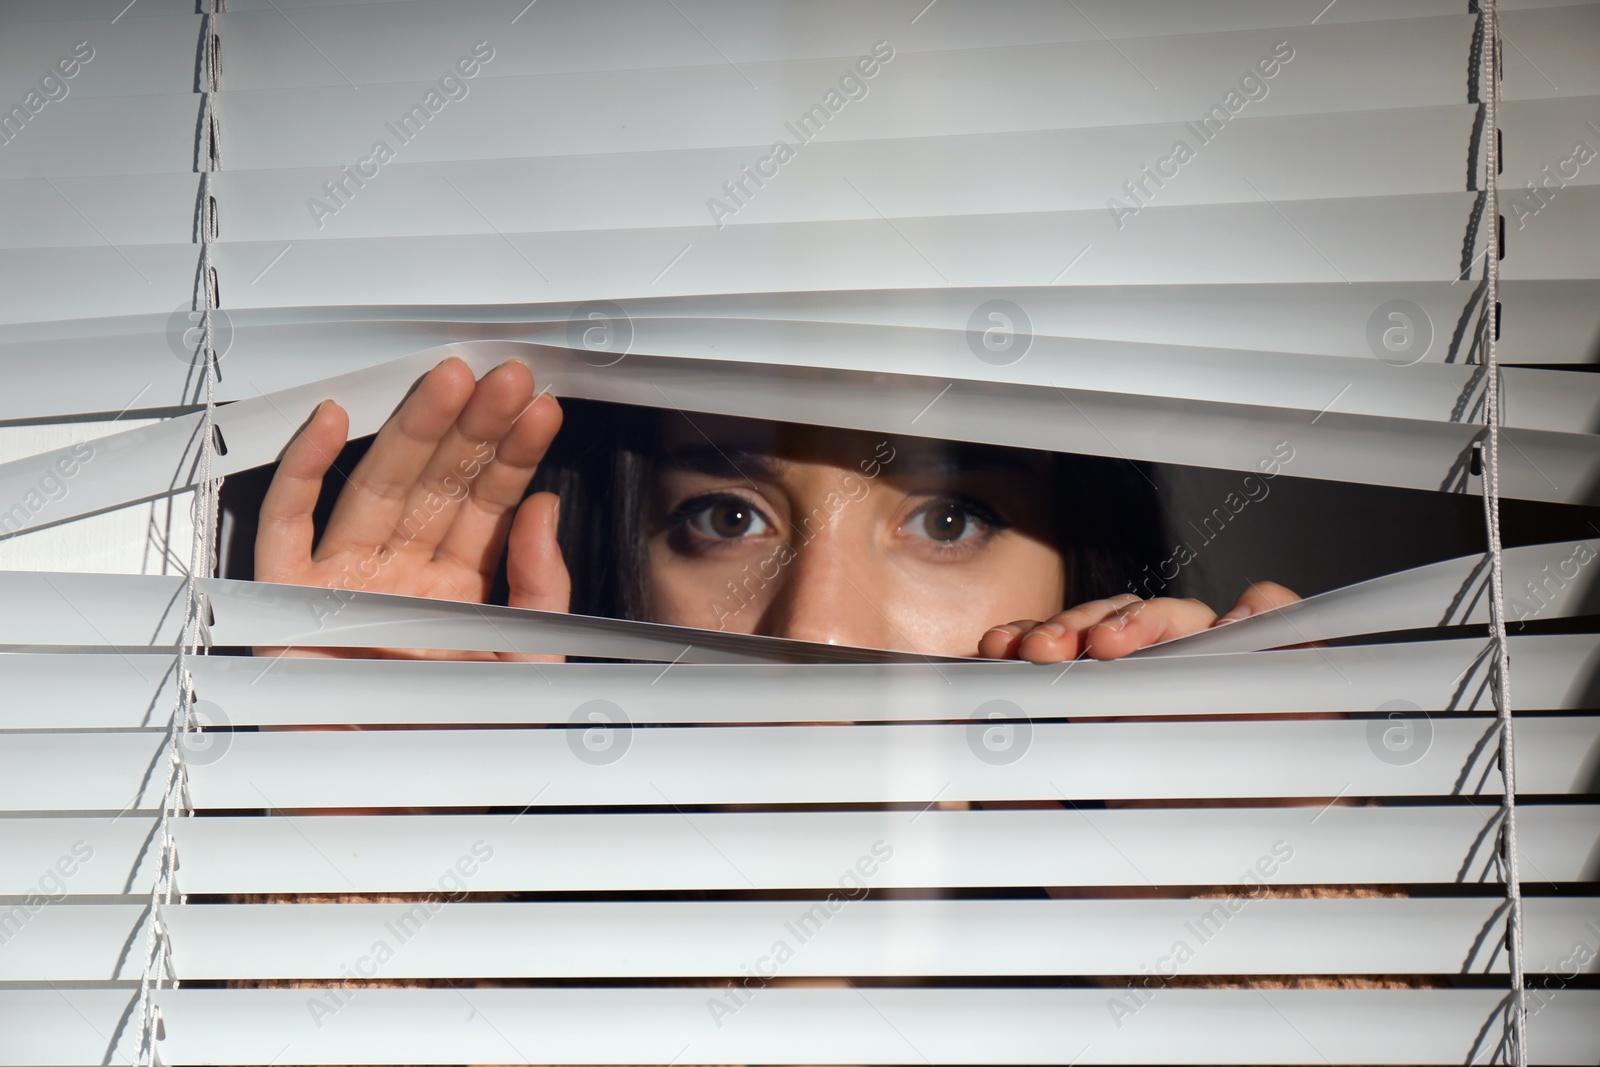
(847, 538)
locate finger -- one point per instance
(434, 502)
(1061, 637)
(368, 508)
(478, 535)
(1147, 623)
(535, 568)
(1259, 597)
(285, 531)
(1001, 641)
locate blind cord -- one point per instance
(1489, 323)
(202, 561)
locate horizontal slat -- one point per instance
(56, 942)
(266, 50)
(780, 765)
(1554, 672)
(138, 465)
(69, 138)
(95, 690)
(123, 209)
(1562, 241)
(795, 850)
(1540, 139)
(24, 11)
(1241, 931)
(122, 771)
(1535, 399)
(1165, 245)
(558, 39)
(1413, 63)
(60, 857)
(1292, 241)
(112, 362)
(1548, 322)
(1553, 52)
(1048, 846)
(1291, 157)
(1066, 170)
(856, 764)
(134, 57)
(1117, 18)
(106, 690)
(838, 1025)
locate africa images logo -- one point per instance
(53, 88)
(852, 85)
(1252, 87)
(352, 178)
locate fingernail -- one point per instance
(1236, 614)
(304, 426)
(1054, 629)
(555, 515)
(1007, 634)
(1116, 622)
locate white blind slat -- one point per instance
(1235, 935)
(862, 1025)
(663, 850)
(110, 362)
(849, 764)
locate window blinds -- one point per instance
(207, 241)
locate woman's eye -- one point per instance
(951, 521)
(727, 519)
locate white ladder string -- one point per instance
(158, 970)
(1489, 61)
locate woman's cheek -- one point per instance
(944, 614)
(709, 594)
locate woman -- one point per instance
(831, 536)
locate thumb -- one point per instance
(1259, 598)
(535, 569)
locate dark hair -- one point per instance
(1110, 517)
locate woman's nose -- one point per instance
(826, 594)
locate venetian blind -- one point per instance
(1226, 223)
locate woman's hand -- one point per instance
(431, 506)
(1109, 629)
